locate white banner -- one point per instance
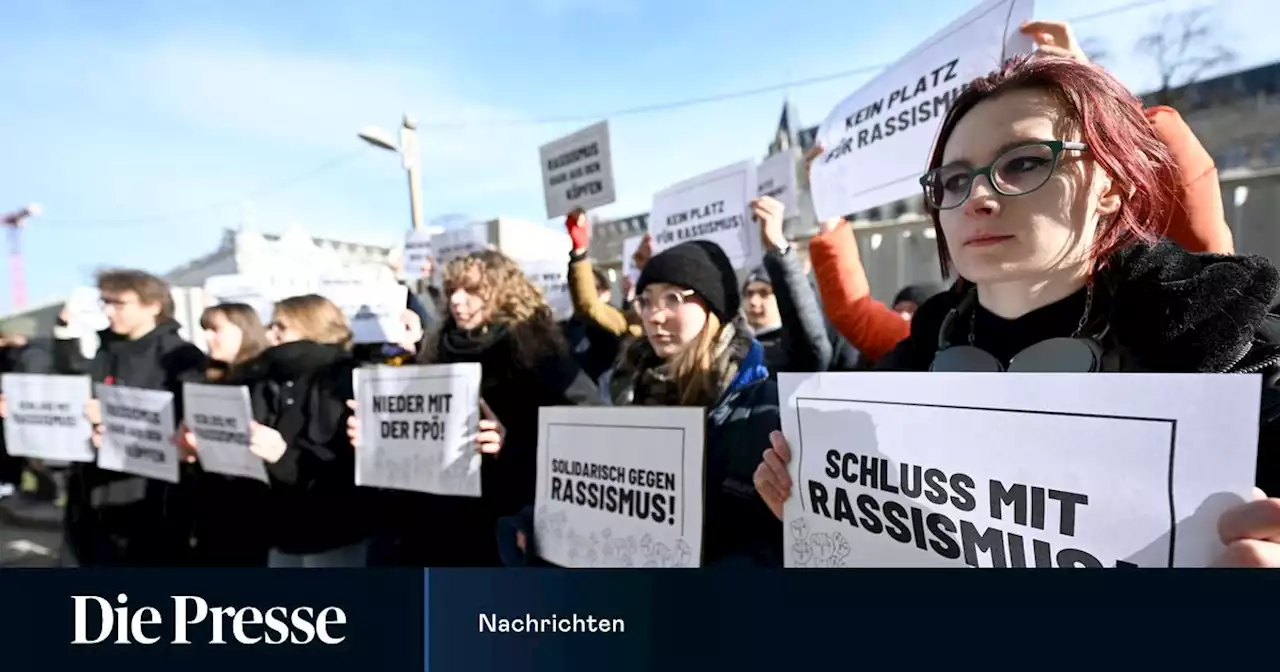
(714, 207)
(241, 288)
(459, 242)
(418, 427)
(552, 277)
(137, 432)
(1029, 470)
(577, 171)
(45, 417)
(417, 255)
(629, 247)
(620, 487)
(877, 140)
(374, 310)
(221, 417)
(776, 177)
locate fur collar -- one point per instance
(1180, 311)
(640, 378)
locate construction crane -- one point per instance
(14, 221)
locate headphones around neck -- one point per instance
(1073, 354)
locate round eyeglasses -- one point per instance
(1019, 170)
(668, 301)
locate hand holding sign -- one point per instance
(576, 225)
(1055, 37)
(266, 443)
(489, 439)
(771, 478)
(185, 440)
(1251, 533)
(770, 213)
(353, 424)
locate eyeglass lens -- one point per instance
(1017, 171)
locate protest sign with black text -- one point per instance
(776, 178)
(714, 207)
(417, 254)
(453, 243)
(876, 142)
(137, 432)
(45, 418)
(243, 288)
(1015, 470)
(577, 171)
(417, 428)
(373, 308)
(620, 487)
(551, 276)
(221, 417)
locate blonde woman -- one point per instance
(697, 350)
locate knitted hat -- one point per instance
(700, 266)
(757, 275)
(920, 293)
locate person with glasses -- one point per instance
(697, 350)
(1197, 223)
(1048, 191)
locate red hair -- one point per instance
(1119, 137)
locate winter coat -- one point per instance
(116, 519)
(1168, 311)
(738, 527)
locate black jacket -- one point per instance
(301, 390)
(227, 527)
(120, 519)
(593, 347)
(1169, 311)
(458, 531)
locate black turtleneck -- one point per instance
(1006, 338)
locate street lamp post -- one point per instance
(409, 158)
(14, 221)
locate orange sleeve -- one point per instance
(870, 326)
(1199, 224)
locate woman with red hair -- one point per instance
(1048, 190)
(1197, 223)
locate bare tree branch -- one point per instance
(1185, 47)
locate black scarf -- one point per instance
(468, 345)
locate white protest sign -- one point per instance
(552, 277)
(45, 417)
(1026, 470)
(374, 310)
(577, 171)
(250, 290)
(620, 487)
(776, 177)
(459, 242)
(877, 140)
(137, 432)
(713, 207)
(629, 247)
(417, 255)
(220, 416)
(84, 312)
(417, 428)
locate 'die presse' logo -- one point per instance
(245, 625)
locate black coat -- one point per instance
(593, 347)
(227, 511)
(115, 519)
(301, 390)
(1170, 311)
(459, 531)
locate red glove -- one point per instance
(576, 224)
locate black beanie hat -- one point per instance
(757, 275)
(700, 266)
(919, 293)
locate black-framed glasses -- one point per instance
(668, 301)
(1019, 170)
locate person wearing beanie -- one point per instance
(910, 298)
(698, 351)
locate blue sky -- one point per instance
(120, 110)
